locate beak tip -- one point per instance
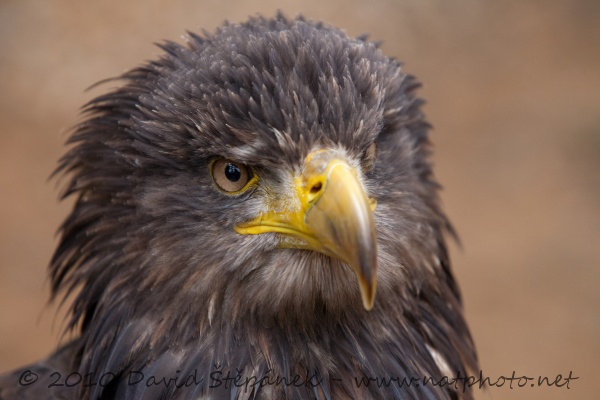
(368, 295)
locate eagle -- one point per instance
(255, 217)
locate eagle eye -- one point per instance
(230, 176)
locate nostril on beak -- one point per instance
(314, 191)
(316, 188)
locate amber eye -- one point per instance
(230, 176)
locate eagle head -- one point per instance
(260, 199)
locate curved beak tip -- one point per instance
(368, 299)
(368, 285)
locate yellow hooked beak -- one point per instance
(328, 212)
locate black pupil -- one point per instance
(232, 172)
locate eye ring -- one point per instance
(230, 176)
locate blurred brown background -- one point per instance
(512, 89)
